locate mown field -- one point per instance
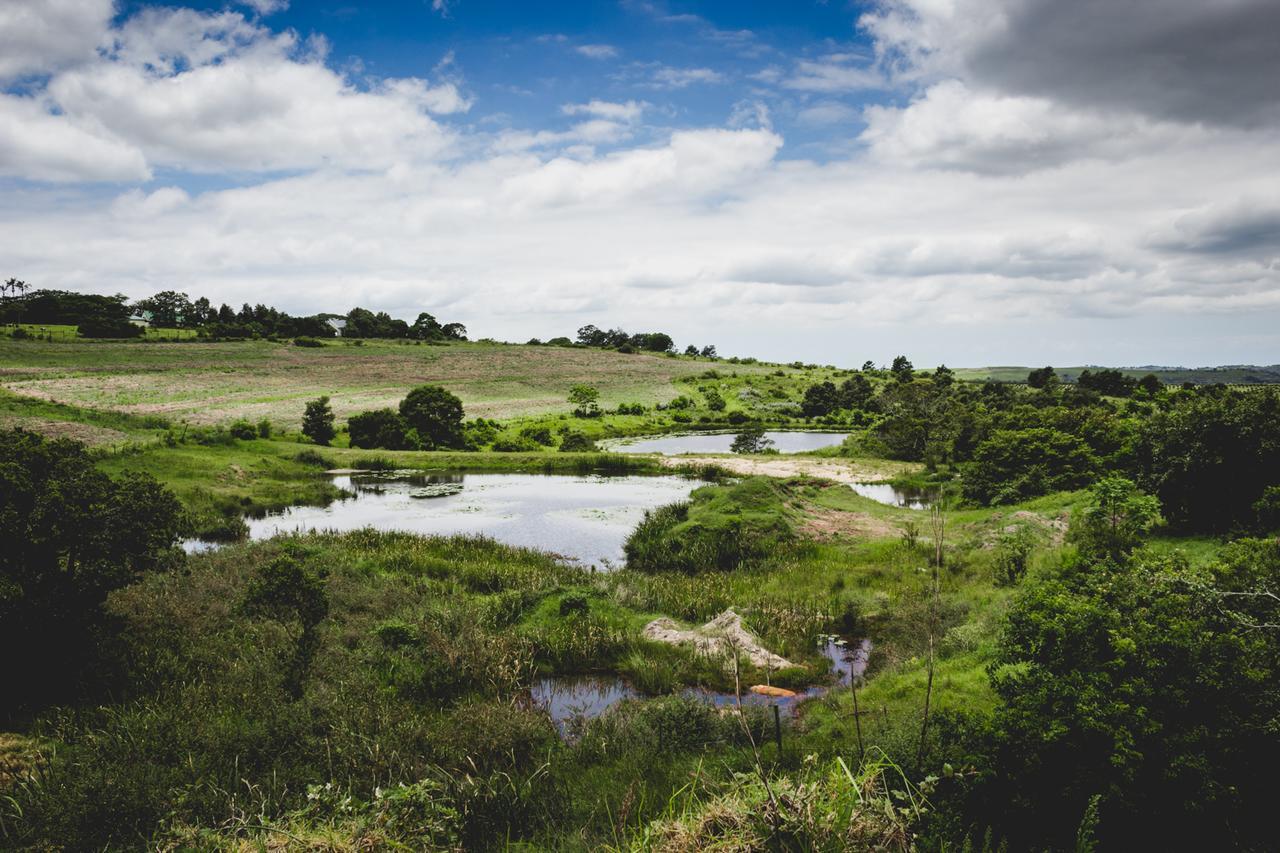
(209, 383)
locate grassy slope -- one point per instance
(216, 383)
(1243, 375)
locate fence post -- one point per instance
(777, 727)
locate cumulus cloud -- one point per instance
(1186, 60)
(629, 111)
(41, 36)
(666, 77)
(187, 90)
(1243, 226)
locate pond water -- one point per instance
(894, 496)
(581, 518)
(567, 698)
(719, 442)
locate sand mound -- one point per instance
(721, 636)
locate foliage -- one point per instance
(317, 422)
(108, 327)
(1116, 519)
(1013, 465)
(1136, 685)
(69, 536)
(436, 416)
(1042, 377)
(380, 428)
(1210, 456)
(576, 442)
(1012, 555)
(751, 440)
(584, 399)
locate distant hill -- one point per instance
(1231, 374)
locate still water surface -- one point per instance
(719, 442)
(582, 518)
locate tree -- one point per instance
(902, 369)
(1150, 385)
(454, 331)
(943, 376)
(426, 328)
(856, 392)
(920, 421)
(168, 308)
(1042, 377)
(751, 440)
(820, 399)
(1117, 519)
(691, 350)
(436, 416)
(201, 313)
(108, 327)
(69, 536)
(1109, 383)
(1013, 465)
(380, 428)
(1147, 688)
(317, 422)
(584, 399)
(714, 401)
(709, 351)
(868, 366)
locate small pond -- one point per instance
(719, 442)
(581, 518)
(567, 698)
(894, 496)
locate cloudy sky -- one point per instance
(966, 181)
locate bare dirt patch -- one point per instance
(93, 436)
(830, 524)
(786, 467)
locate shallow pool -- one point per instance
(582, 518)
(894, 496)
(719, 442)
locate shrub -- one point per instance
(541, 435)
(307, 342)
(576, 442)
(1014, 465)
(515, 444)
(380, 428)
(108, 327)
(317, 422)
(311, 457)
(264, 428)
(243, 430)
(436, 415)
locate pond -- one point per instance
(581, 518)
(719, 442)
(894, 496)
(567, 698)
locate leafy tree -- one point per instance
(715, 402)
(709, 351)
(168, 309)
(584, 399)
(1150, 385)
(426, 328)
(317, 422)
(943, 376)
(1117, 519)
(454, 331)
(1109, 383)
(1268, 509)
(902, 369)
(691, 350)
(1210, 456)
(286, 590)
(69, 536)
(820, 399)
(436, 415)
(868, 366)
(856, 392)
(1013, 465)
(1148, 687)
(653, 342)
(920, 421)
(751, 440)
(1042, 377)
(380, 428)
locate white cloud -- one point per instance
(629, 111)
(41, 36)
(39, 146)
(665, 77)
(266, 7)
(833, 74)
(597, 51)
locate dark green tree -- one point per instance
(1013, 465)
(1116, 519)
(380, 428)
(751, 440)
(821, 398)
(1042, 377)
(317, 422)
(436, 416)
(69, 536)
(902, 369)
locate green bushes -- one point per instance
(576, 442)
(380, 428)
(722, 527)
(1015, 465)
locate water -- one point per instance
(893, 496)
(567, 698)
(582, 518)
(719, 442)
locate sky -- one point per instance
(969, 182)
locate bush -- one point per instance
(108, 327)
(436, 416)
(576, 442)
(541, 435)
(1013, 465)
(243, 430)
(317, 422)
(308, 342)
(380, 428)
(515, 444)
(311, 457)
(264, 428)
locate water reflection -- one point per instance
(721, 442)
(893, 496)
(581, 518)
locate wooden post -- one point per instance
(777, 727)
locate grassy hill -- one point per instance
(1241, 374)
(208, 383)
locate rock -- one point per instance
(721, 636)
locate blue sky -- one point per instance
(966, 181)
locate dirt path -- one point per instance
(838, 470)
